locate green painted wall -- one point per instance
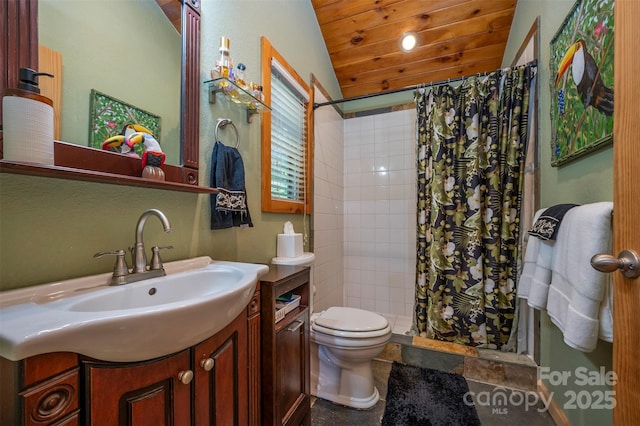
(50, 228)
(584, 180)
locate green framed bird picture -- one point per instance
(581, 68)
(109, 116)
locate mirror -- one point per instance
(79, 162)
(130, 55)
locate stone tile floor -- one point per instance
(496, 404)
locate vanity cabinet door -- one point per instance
(221, 379)
(291, 365)
(284, 345)
(141, 393)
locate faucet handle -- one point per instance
(156, 262)
(120, 269)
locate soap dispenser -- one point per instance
(27, 120)
(29, 79)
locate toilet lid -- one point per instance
(351, 320)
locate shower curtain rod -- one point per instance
(404, 89)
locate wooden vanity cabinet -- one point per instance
(254, 330)
(40, 390)
(140, 393)
(210, 383)
(211, 377)
(286, 396)
(220, 377)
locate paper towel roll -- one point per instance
(28, 130)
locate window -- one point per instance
(286, 136)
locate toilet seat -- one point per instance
(350, 323)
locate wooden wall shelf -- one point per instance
(59, 172)
(106, 167)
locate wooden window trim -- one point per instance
(269, 204)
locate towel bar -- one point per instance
(222, 123)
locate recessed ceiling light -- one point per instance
(409, 41)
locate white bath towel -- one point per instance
(529, 266)
(576, 300)
(606, 312)
(536, 273)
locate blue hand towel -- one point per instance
(229, 206)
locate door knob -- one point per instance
(627, 262)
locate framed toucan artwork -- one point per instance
(109, 117)
(581, 67)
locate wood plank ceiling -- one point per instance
(457, 38)
(173, 10)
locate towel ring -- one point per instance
(222, 123)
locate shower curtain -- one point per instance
(470, 155)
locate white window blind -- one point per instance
(288, 136)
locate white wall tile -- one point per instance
(364, 204)
(329, 207)
(381, 178)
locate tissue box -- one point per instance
(289, 245)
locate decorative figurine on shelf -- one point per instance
(152, 156)
(117, 143)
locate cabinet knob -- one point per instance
(207, 364)
(185, 376)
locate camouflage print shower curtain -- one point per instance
(470, 156)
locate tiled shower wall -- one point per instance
(328, 206)
(364, 211)
(379, 212)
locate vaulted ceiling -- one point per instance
(173, 10)
(457, 38)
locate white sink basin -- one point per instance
(131, 322)
(214, 280)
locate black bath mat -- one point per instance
(422, 396)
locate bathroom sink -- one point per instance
(157, 292)
(130, 322)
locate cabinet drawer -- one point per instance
(51, 400)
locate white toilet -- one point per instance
(344, 341)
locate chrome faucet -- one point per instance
(139, 272)
(138, 252)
